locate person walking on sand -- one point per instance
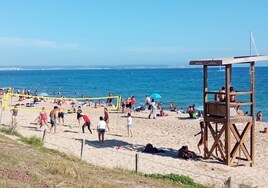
(129, 125)
(87, 123)
(202, 132)
(101, 129)
(107, 117)
(53, 118)
(14, 114)
(43, 118)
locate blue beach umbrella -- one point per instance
(43, 94)
(155, 96)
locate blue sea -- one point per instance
(183, 86)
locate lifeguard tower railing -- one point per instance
(220, 120)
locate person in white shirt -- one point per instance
(101, 129)
(129, 125)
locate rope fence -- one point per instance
(138, 160)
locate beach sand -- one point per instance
(169, 133)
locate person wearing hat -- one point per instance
(87, 123)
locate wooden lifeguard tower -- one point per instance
(228, 140)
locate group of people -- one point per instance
(222, 96)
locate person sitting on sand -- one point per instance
(185, 153)
(202, 132)
(239, 111)
(259, 116)
(162, 113)
(191, 112)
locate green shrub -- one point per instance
(185, 180)
(10, 131)
(33, 140)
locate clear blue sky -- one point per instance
(128, 32)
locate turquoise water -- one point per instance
(182, 86)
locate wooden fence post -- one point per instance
(82, 148)
(44, 135)
(136, 162)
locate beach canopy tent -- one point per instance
(220, 122)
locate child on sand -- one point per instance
(129, 125)
(201, 141)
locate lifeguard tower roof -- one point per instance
(231, 60)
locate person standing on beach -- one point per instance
(202, 133)
(78, 113)
(147, 101)
(107, 117)
(14, 113)
(87, 123)
(129, 125)
(53, 118)
(43, 118)
(153, 109)
(61, 116)
(101, 129)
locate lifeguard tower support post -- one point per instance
(216, 112)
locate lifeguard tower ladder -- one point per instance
(228, 140)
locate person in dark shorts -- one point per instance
(53, 116)
(101, 129)
(79, 111)
(86, 124)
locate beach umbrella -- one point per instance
(155, 96)
(43, 94)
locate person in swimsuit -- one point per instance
(61, 116)
(107, 118)
(43, 118)
(202, 133)
(14, 113)
(53, 118)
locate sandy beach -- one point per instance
(168, 133)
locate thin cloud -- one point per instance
(153, 50)
(172, 50)
(21, 42)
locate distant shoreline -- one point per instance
(115, 67)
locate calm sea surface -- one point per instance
(182, 86)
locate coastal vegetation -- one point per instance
(29, 164)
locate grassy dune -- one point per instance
(24, 165)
